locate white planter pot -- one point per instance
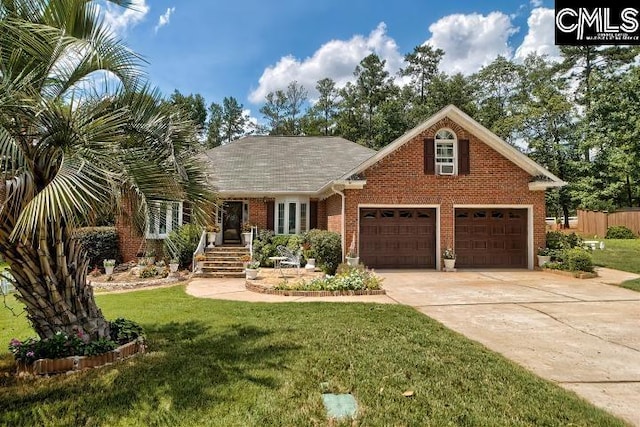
(543, 259)
(311, 264)
(199, 265)
(246, 237)
(211, 238)
(353, 262)
(251, 273)
(449, 264)
(108, 270)
(173, 267)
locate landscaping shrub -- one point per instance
(327, 246)
(100, 243)
(578, 259)
(182, 242)
(558, 240)
(125, 330)
(265, 245)
(619, 232)
(61, 345)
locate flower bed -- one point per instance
(576, 274)
(78, 363)
(347, 281)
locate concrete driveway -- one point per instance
(582, 334)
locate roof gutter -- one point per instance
(543, 185)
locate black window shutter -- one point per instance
(313, 214)
(463, 157)
(186, 212)
(271, 205)
(429, 157)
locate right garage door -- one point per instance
(491, 238)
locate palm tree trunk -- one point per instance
(50, 274)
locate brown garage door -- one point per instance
(491, 238)
(398, 238)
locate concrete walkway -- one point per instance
(582, 334)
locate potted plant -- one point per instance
(199, 258)
(108, 266)
(140, 256)
(252, 270)
(449, 257)
(544, 256)
(211, 234)
(174, 264)
(246, 233)
(352, 255)
(245, 260)
(310, 256)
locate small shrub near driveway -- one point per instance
(327, 246)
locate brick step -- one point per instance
(223, 258)
(220, 274)
(219, 268)
(229, 263)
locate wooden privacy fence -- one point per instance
(596, 223)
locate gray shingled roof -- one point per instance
(275, 164)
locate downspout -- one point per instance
(344, 218)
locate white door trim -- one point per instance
(529, 208)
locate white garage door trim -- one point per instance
(529, 208)
(405, 206)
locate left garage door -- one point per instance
(398, 237)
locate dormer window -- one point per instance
(446, 148)
(446, 154)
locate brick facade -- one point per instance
(399, 179)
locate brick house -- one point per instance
(449, 182)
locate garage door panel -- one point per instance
(397, 238)
(491, 238)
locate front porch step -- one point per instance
(224, 261)
(220, 275)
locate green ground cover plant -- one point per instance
(222, 363)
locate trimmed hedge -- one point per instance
(619, 232)
(100, 243)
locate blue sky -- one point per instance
(247, 48)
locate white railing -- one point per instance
(253, 228)
(201, 246)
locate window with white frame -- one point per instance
(445, 152)
(292, 215)
(164, 217)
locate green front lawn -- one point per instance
(225, 363)
(621, 255)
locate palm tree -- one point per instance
(68, 150)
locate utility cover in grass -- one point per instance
(340, 405)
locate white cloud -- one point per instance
(121, 19)
(335, 59)
(164, 18)
(471, 41)
(540, 38)
(536, 3)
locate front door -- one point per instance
(231, 222)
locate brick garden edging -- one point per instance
(78, 363)
(574, 274)
(254, 287)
